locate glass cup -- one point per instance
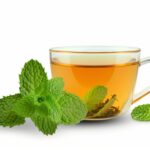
(104, 77)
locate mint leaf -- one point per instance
(25, 107)
(73, 109)
(56, 86)
(55, 112)
(105, 108)
(7, 116)
(95, 96)
(33, 79)
(44, 124)
(141, 112)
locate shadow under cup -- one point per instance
(103, 77)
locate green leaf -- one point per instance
(73, 109)
(7, 116)
(54, 109)
(141, 112)
(108, 104)
(44, 124)
(56, 86)
(25, 107)
(33, 79)
(95, 96)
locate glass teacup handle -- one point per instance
(145, 91)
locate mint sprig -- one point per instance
(43, 101)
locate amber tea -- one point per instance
(119, 79)
(86, 68)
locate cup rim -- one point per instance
(95, 49)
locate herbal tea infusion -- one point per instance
(89, 73)
(119, 79)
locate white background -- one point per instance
(28, 28)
